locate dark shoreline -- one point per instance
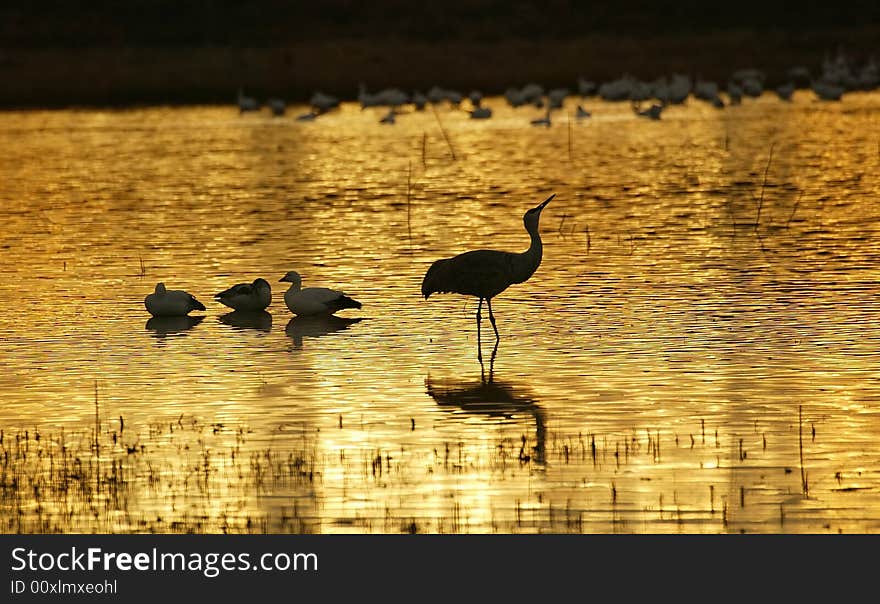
(119, 77)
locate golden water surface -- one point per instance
(669, 367)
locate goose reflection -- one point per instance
(242, 319)
(165, 326)
(491, 398)
(315, 326)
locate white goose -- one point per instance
(481, 113)
(247, 103)
(419, 101)
(314, 300)
(248, 297)
(171, 302)
(323, 102)
(277, 106)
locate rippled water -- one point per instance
(669, 368)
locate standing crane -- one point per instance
(487, 273)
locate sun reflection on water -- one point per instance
(665, 369)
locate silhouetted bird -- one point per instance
(314, 300)
(247, 103)
(249, 297)
(171, 302)
(277, 106)
(481, 113)
(487, 273)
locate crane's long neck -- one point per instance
(527, 262)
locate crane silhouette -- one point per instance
(487, 273)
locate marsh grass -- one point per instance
(180, 476)
(184, 475)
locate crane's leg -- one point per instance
(479, 346)
(492, 318)
(492, 361)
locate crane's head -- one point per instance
(530, 218)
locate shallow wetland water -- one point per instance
(669, 368)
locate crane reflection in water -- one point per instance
(491, 398)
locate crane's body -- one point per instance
(486, 273)
(480, 273)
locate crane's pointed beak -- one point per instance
(545, 202)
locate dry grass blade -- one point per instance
(763, 187)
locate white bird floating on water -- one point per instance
(514, 97)
(735, 93)
(314, 300)
(487, 273)
(481, 113)
(171, 302)
(247, 103)
(419, 101)
(586, 87)
(249, 297)
(785, 91)
(323, 103)
(277, 106)
(556, 97)
(826, 91)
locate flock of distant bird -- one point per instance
(837, 76)
(480, 273)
